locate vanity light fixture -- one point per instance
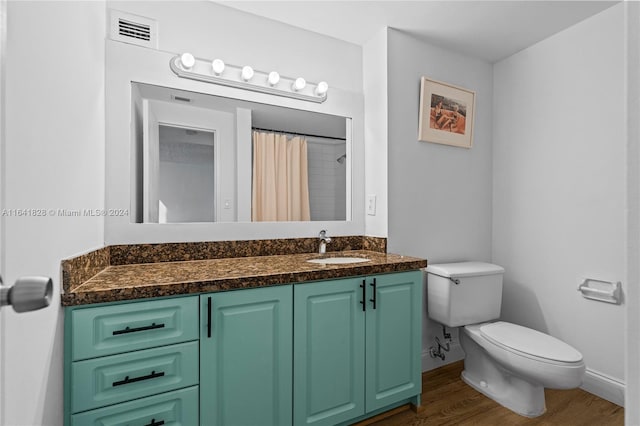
(247, 73)
(187, 60)
(218, 66)
(245, 77)
(273, 78)
(299, 84)
(322, 88)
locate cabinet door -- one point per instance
(394, 341)
(328, 352)
(246, 357)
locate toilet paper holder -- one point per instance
(603, 291)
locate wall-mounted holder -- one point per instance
(217, 72)
(603, 291)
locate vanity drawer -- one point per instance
(108, 330)
(117, 378)
(177, 408)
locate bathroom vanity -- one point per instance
(258, 340)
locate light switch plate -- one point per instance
(371, 205)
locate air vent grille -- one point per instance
(133, 29)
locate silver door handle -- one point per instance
(27, 294)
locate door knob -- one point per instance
(27, 294)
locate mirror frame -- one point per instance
(126, 64)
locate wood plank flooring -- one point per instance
(447, 400)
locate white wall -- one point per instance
(559, 188)
(210, 30)
(54, 160)
(439, 196)
(374, 81)
(632, 363)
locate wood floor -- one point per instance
(447, 400)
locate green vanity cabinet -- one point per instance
(246, 357)
(357, 345)
(319, 353)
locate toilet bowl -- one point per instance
(506, 362)
(512, 365)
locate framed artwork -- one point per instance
(446, 114)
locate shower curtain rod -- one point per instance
(299, 134)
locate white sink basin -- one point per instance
(338, 260)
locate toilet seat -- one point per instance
(530, 343)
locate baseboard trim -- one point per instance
(455, 354)
(604, 386)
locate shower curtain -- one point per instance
(280, 190)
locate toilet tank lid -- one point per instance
(464, 269)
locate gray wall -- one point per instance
(439, 196)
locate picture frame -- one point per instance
(446, 114)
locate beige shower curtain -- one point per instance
(280, 190)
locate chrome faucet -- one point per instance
(324, 240)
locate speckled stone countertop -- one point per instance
(137, 281)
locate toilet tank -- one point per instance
(464, 293)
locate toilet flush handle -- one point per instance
(453, 280)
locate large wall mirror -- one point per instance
(183, 157)
(206, 158)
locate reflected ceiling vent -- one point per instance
(133, 29)
(180, 98)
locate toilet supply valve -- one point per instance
(439, 351)
(446, 335)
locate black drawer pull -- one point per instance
(373, 284)
(364, 296)
(208, 317)
(127, 380)
(154, 423)
(153, 326)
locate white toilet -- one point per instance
(508, 363)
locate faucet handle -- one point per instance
(322, 234)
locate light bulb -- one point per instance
(274, 78)
(298, 84)
(187, 61)
(247, 73)
(218, 66)
(322, 88)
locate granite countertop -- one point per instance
(136, 281)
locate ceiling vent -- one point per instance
(133, 29)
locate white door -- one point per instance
(221, 124)
(3, 39)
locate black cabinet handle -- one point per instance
(126, 330)
(127, 380)
(373, 284)
(363, 286)
(154, 423)
(208, 317)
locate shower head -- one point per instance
(341, 158)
